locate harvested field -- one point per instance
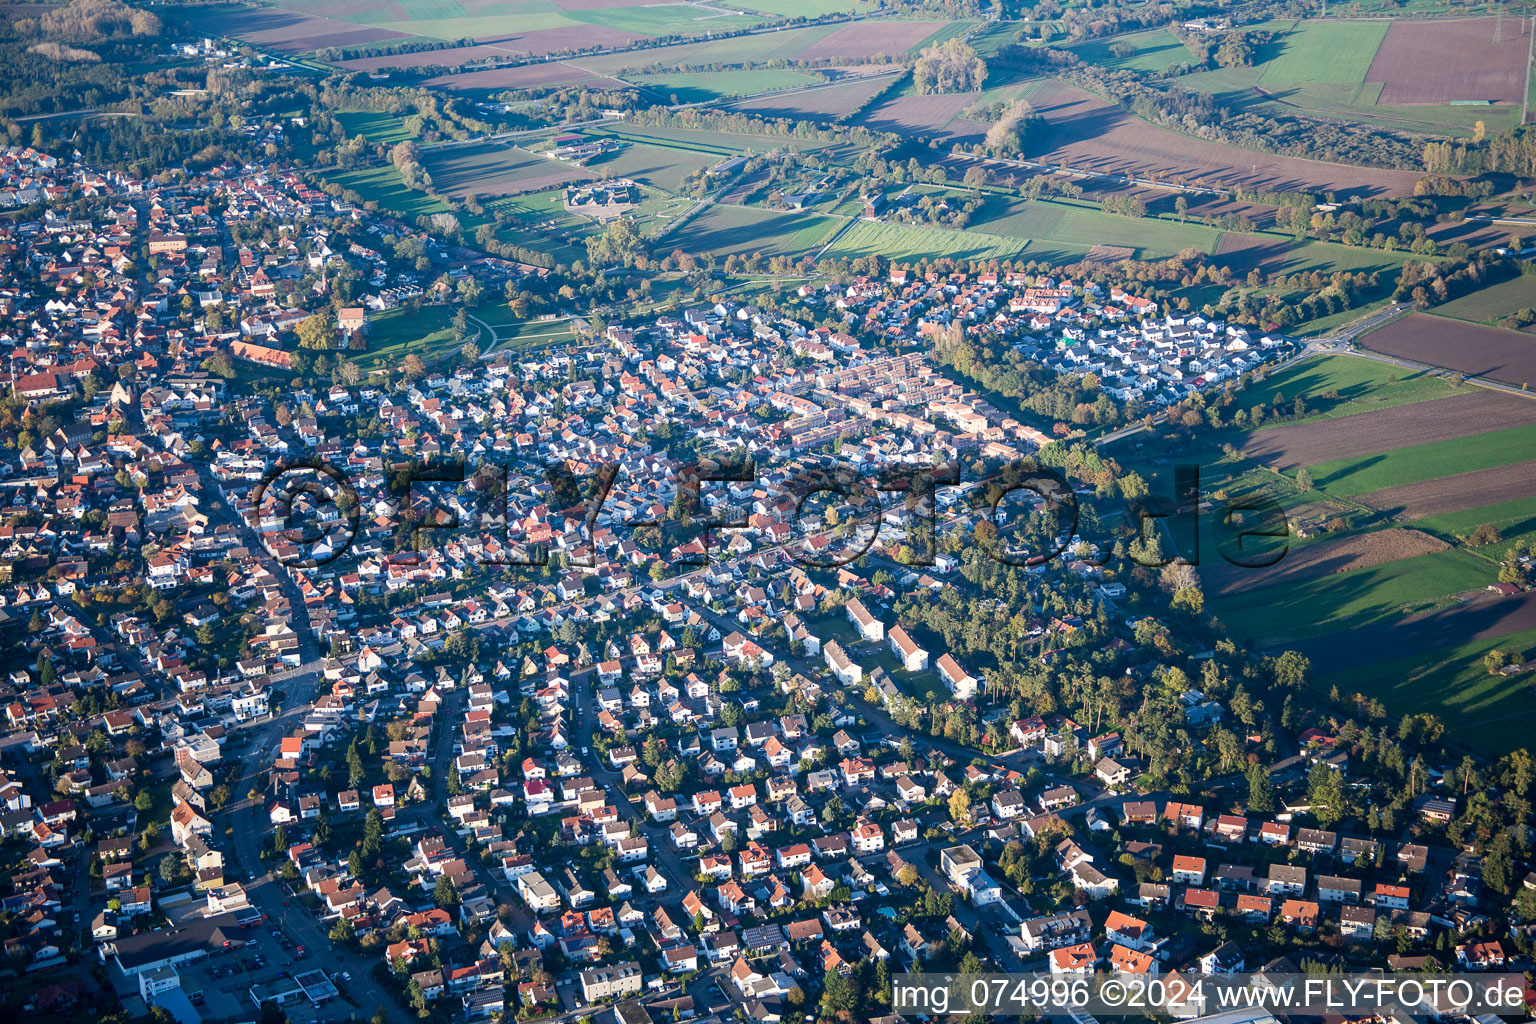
(1472, 349)
(926, 114)
(830, 102)
(288, 31)
(1108, 254)
(1357, 551)
(1439, 61)
(1308, 444)
(1454, 493)
(1090, 134)
(496, 170)
(530, 76)
(866, 39)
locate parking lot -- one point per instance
(219, 985)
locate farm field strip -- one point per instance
(1326, 444)
(1473, 489)
(912, 242)
(1349, 600)
(1325, 557)
(1415, 463)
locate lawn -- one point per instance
(905, 242)
(1366, 473)
(397, 333)
(1489, 713)
(1363, 385)
(660, 166)
(1487, 305)
(1349, 600)
(723, 230)
(1331, 51)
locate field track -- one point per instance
(1474, 411)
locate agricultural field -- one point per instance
(528, 76)
(1399, 466)
(870, 40)
(1087, 133)
(1472, 349)
(1318, 605)
(385, 129)
(925, 115)
(1441, 61)
(907, 242)
(1440, 76)
(1362, 385)
(724, 230)
(1490, 304)
(664, 167)
(1492, 714)
(702, 86)
(823, 103)
(1476, 488)
(494, 169)
(287, 31)
(1155, 50)
(1323, 558)
(1324, 51)
(1470, 413)
(1244, 252)
(1086, 226)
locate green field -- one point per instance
(1515, 520)
(1492, 714)
(1426, 461)
(1349, 600)
(451, 19)
(385, 129)
(397, 333)
(1489, 304)
(1331, 51)
(1156, 50)
(1363, 385)
(723, 230)
(382, 185)
(1083, 227)
(663, 167)
(903, 242)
